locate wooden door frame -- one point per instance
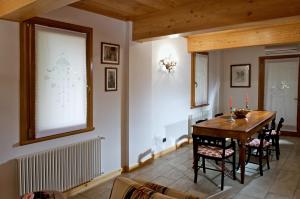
(261, 86)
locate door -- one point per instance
(281, 90)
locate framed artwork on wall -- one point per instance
(240, 75)
(111, 79)
(110, 53)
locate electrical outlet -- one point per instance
(164, 140)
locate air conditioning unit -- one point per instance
(282, 49)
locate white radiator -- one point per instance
(60, 169)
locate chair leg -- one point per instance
(233, 167)
(196, 169)
(267, 154)
(260, 161)
(222, 177)
(277, 147)
(203, 165)
(249, 155)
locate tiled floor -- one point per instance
(174, 170)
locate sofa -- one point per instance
(125, 188)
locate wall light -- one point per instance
(168, 64)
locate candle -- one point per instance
(246, 100)
(230, 102)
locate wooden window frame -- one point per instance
(28, 77)
(193, 70)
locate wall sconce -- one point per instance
(168, 64)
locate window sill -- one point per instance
(25, 142)
(199, 106)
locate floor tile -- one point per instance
(286, 183)
(276, 196)
(242, 196)
(174, 170)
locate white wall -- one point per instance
(149, 105)
(159, 102)
(249, 55)
(107, 105)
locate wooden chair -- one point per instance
(221, 114)
(199, 121)
(218, 151)
(262, 146)
(273, 135)
(218, 114)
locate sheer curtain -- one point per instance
(201, 78)
(61, 81)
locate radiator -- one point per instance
(61, 168)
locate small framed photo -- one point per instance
(111, 79)
(110, 53)
(240, 75)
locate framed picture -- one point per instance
(111, 79)
(110, 53)
(240, 75)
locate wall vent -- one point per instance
(282, 49)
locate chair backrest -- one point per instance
(279, 126)
(218, 114)
(202, 140)
(273, 125)
(199, 121)
(263, 136)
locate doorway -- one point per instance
(279, 89)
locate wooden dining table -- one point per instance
(240, 129)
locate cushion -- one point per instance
(142, 192)
(256, 142)
(169, 192)
(273, 132)
(43, 195)
(215, 152)
(125, 188)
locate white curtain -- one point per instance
(201, 77)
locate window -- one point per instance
(56, 80)
(199, 80)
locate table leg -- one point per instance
(195, 162)
(242, 150)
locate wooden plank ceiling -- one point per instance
(156, 18)
(128, 9)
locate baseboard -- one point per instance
(289, 133)
(96, 181)
(156, 155)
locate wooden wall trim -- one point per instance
(261, 83)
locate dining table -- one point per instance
(241, 129)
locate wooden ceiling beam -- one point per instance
(243, 37)
(20, 10)
(209, 14)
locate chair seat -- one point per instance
(273, 132)
(215, 152)
(256, 142)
